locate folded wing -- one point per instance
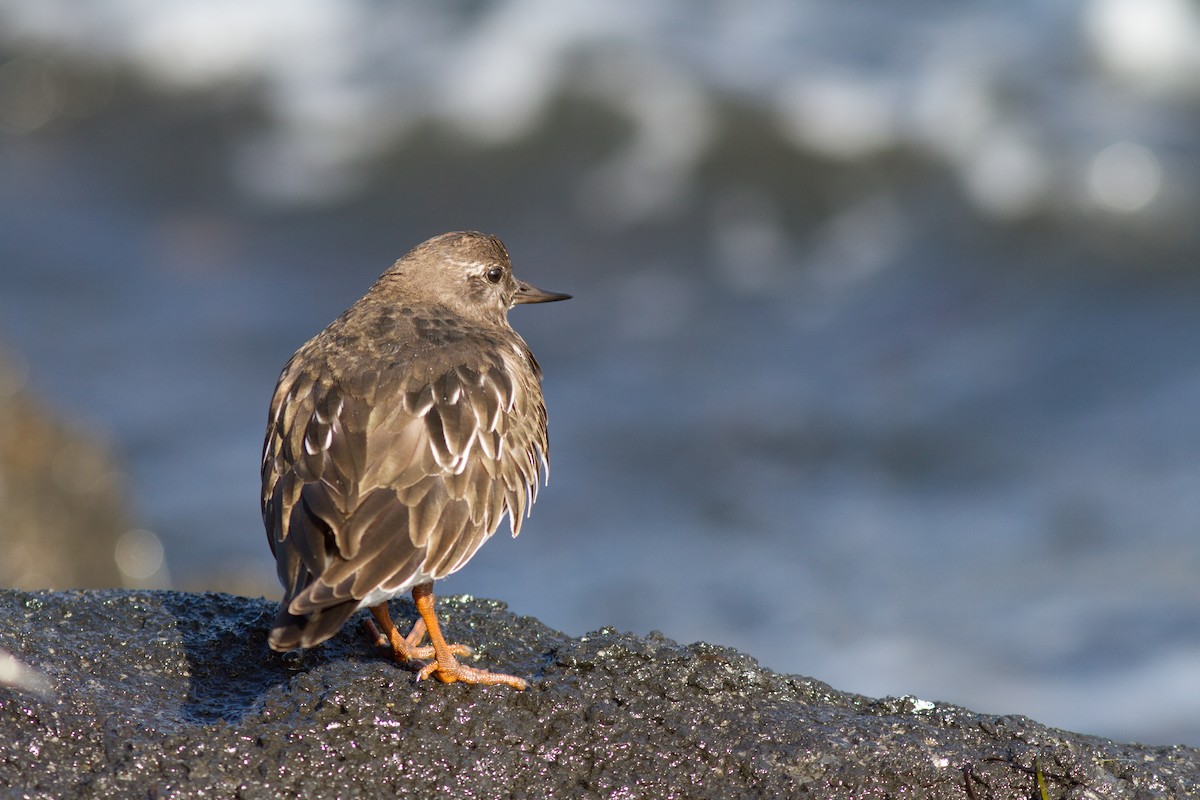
(379, 483)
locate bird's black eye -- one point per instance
(494, 274)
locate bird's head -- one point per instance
(468, 272)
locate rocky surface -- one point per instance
(165, 694)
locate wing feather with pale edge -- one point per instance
(383, 481)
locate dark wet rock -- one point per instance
(164, 694)
(64, 498)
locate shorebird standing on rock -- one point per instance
(398, 439)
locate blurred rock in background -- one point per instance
(66, 518)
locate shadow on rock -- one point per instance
(229, 665)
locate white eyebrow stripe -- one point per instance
(471, 264)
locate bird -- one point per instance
(398, 439)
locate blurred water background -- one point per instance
(884, 357)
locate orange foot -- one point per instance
(449, 670)
(404, 648)
(445, 666)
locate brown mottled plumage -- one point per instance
(398, 439)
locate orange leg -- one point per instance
(446, 667)
(404, 648)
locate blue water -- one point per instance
(883, 361)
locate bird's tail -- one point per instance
(291, 631)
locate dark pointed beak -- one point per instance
(528, 293)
